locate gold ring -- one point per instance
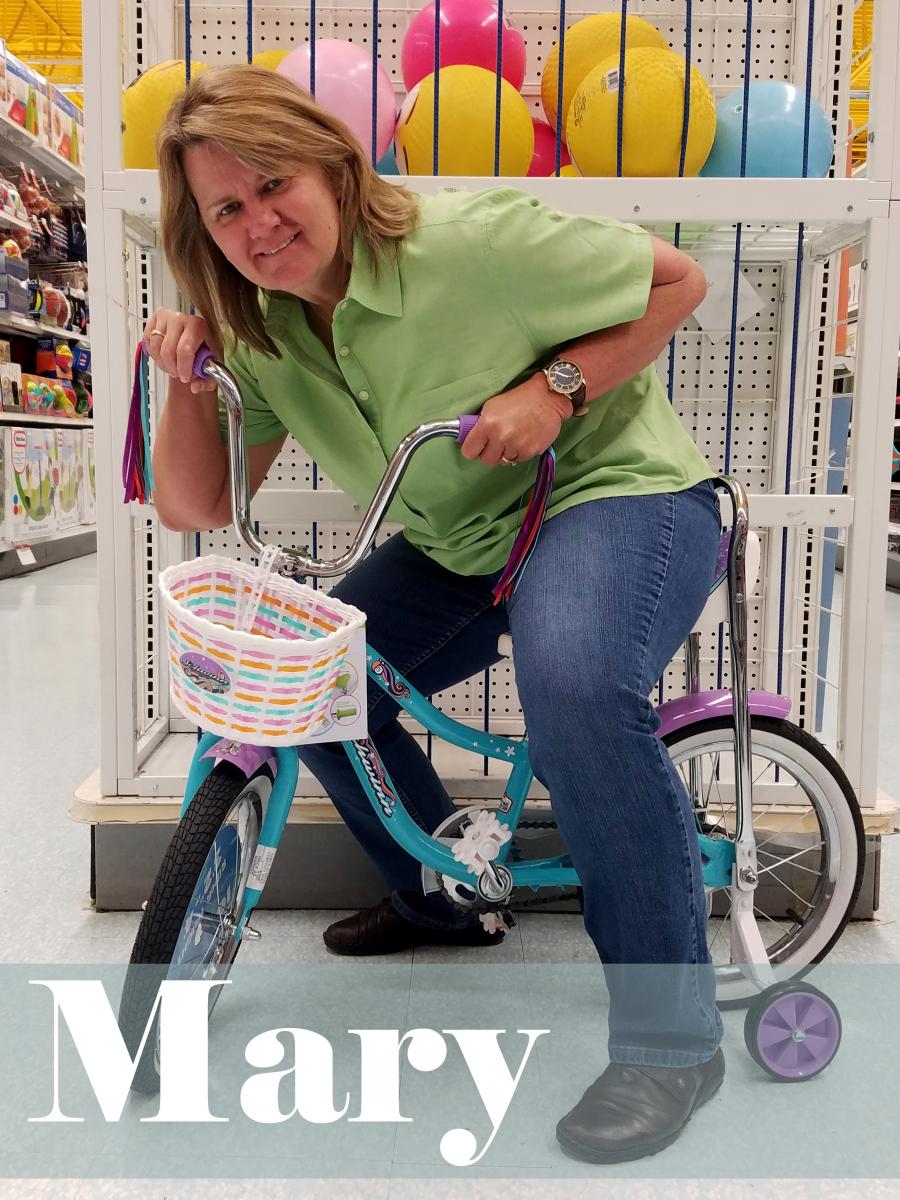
(509, 462)
(161, 332)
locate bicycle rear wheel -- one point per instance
(809, 836)
(187, 930)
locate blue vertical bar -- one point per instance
(312, 48)
(249, 30)
(559, 84)
(499, 92)
(487, 711)
(809, 67)
(374, 82)
(187, 42)
(315, 524)
(620, 115)
(435, 150)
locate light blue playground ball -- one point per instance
(388, 164)
(774, 134)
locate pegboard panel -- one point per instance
(718, 33)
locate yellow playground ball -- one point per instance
(144, 106)
(269, 58)
(653, 114)
(468, 106)
(588, 43)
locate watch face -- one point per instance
(565, 377)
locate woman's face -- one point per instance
(281, 234)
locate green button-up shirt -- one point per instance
(486, 287)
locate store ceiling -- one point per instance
(46, 34)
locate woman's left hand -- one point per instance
(517, 425)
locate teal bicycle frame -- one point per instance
(725, 861)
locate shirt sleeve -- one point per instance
(566, 276)
(260, 422)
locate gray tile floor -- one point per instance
(49, 730)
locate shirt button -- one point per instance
(363, 395)
(343, 304)
(344, 351)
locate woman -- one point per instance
(350, 311)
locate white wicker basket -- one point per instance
(272, 682)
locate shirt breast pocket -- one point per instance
(465, 394)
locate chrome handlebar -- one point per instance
(292, 561)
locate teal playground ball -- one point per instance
(776, 113)
(388, 164)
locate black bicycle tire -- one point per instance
(166, 909)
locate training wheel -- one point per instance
(793, 1031)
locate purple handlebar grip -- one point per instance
(201, 358)
(466, 425)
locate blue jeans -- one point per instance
(611, 592)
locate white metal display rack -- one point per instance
(823, 652)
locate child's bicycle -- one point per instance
(772, 805)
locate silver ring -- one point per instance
(509, 462)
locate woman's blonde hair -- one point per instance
(272, 126)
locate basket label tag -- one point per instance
(206, 673)
(260, 867)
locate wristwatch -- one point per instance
(566, 379)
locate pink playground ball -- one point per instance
(544, 161)
(468, 38)
(344, 87)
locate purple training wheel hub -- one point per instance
(798, 1034)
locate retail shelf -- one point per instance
(13, 418)
(54, 548)
(19, 323)
(19, 144)
(816, 202)
(8, 221)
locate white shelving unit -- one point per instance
(14, 418)
(780, 412)
(16, 144)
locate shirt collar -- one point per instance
(383, 295)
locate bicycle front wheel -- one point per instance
(187, 930)
(810, 842)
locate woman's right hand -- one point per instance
(172, 340)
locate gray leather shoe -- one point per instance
(630, 1111)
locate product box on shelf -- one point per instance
(68, 447)
(48, 396)
(27, 102)
(66, 127)
(87, 495)
(10, 387)
(32, 475)
(15, 268)
(14, 295)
